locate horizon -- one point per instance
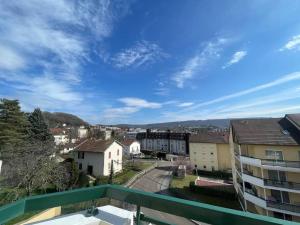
(131, 62)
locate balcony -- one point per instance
(270, 184)
(286, 208)
(292, 166)
(188, 209)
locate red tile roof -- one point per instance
(127, 142)
(93, 145)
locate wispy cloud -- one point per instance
(142, 53)
(131, 105)
(279, 81)
(195, 64)
(139, 103)
(292, 44)
(237, 56)
(185, 104)
(43, 47)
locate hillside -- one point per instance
(221, 123)
(58, 118)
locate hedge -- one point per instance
(216, 174)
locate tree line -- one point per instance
(28, 153)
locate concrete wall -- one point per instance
(94, 159)
(113, 149)
(224, 157)
(204, 155)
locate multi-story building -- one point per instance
(164, 142)
(210, 151)
(60, 135)
(266, 165)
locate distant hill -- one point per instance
(58, 119)
(221, 123)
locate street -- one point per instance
(158, 181)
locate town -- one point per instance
(251, 165)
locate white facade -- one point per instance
(61, 139)
(162, 145)
(82, 132)
(100, 162)
(133, 149)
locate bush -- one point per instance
(221, 191)
(215, 174)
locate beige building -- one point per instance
(210, 151)
(96, 156)
(266, 165)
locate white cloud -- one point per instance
(237, 56)
(185, 104)
(139, 103)
(210, 52)
(10, 60)
(43, 45)
(282, 80)
(293, 43)
(141, 53)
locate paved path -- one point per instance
(158, 181)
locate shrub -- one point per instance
(216, 174)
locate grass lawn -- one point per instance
(180, 187)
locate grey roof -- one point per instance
(210, 137)
(295, 118)
(265, 131)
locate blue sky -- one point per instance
(152, 61)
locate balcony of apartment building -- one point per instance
(116, 215)
(273, 160)
(277, 202)
(272, 179)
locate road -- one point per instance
(158, 181)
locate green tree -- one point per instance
(13, 124)
(38, 127)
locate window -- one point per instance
(80, 155)
(276, 155)
(109, 155)
(80, 166)
(204, 167)
(211, 153)
(118, 152)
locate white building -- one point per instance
(95, 157)
(131, 147)
(164, 142)
(82, 132)
(60, 136)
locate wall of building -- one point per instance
(224, 157)
(204, 155)
(135, 148)
(113, 149)
(162, 145)
(61, 139)
(94, 159)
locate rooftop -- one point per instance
(210, 137)
(127, 142)
(265, 131)
(93, 145)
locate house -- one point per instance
(82, 132)
(96, 156)
(164, 142)
(266, 165)
(65, 149)
(60, 135)
(210, 151)
(131, 147)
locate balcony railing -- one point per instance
(282, 163)
(284, 206)
(282, 184)
(191, 210)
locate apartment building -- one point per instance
(210, 151)
(164, 142)
(266, 165)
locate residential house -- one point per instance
(164, 142)
(60, 135)
(131, 147)
(82, 132)
(266, 165)
(210, 151)
(96, 156)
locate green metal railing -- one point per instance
(191, 210)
